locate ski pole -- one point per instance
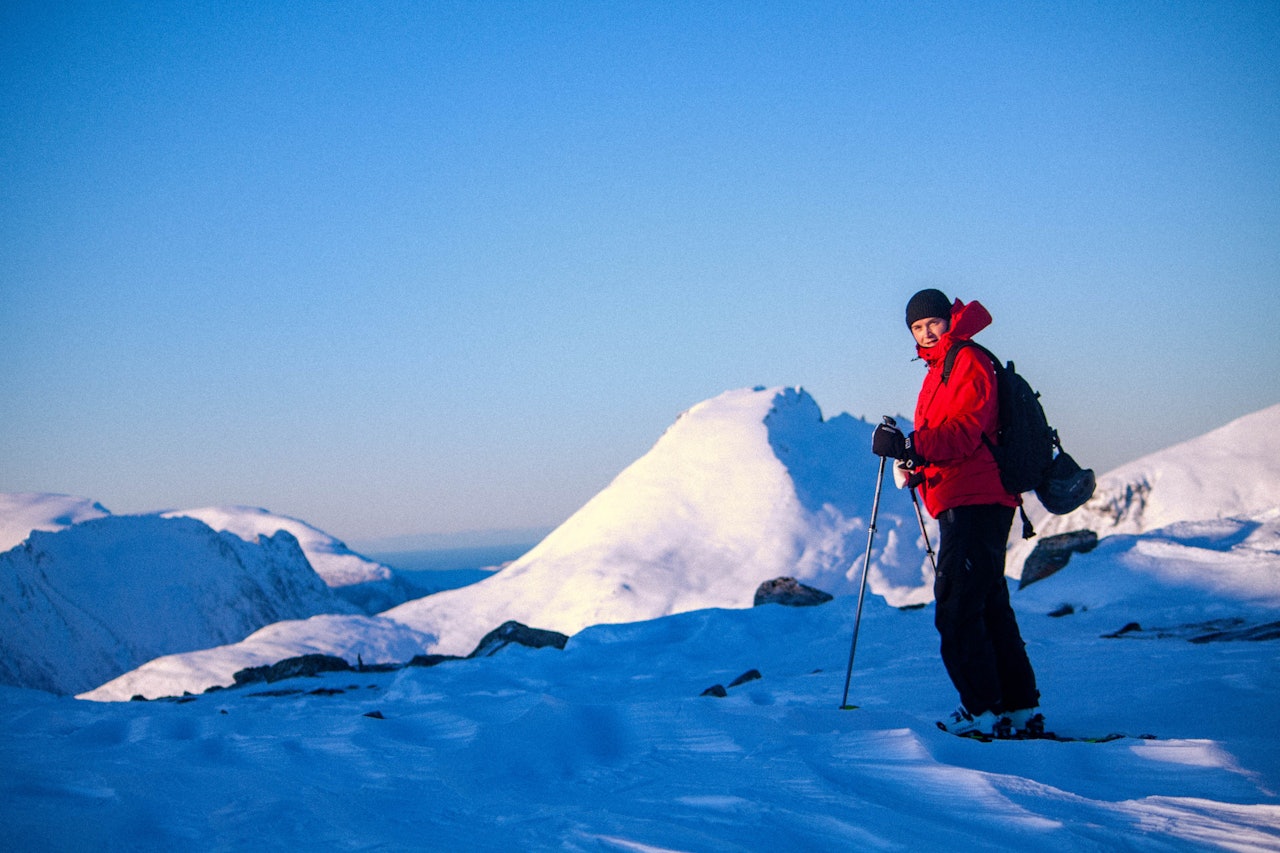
(862, 591)
(928, 547)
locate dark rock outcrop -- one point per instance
(514, 632)
(719, 690)
(304, 666)
(431, 660)
(1052, 553)
(789, 592)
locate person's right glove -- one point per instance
(905, 478)
(888, 441)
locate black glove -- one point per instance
(889, 441)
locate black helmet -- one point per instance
(1066, 486)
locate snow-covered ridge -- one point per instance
(741, 489)
(366, 583)
(1230, 472)
(332, 560)
(85, 604)
(23, 512)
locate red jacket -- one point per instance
(951, 419)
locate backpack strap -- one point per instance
(949, 361)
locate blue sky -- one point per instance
(400, 268)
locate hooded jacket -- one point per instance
(951, 419)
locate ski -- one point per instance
(983, 737)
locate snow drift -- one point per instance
(85, 604)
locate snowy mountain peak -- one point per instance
(743, 488)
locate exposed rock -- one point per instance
(749, 675)
(1252, 633)
(1052, 553)
(431, 660)
(789, 592)
(514, 632)
(277, 693)
(1230, 629)
(716, 690)
(298, 667)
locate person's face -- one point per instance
(929, 330)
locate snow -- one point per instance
(368, 584)
(332, 560)
(370, 639)
(1232, 471)
(609, 744)
(23, 512)
(82, 605)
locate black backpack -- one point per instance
(1024, 446)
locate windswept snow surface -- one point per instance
(608, 745)
(746, 487)
(85, 604)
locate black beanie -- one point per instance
(928, 303)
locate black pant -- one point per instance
(982, 648)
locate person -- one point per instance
(947, 459)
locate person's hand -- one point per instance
(906, 478)
(888, 441)
(910, 458)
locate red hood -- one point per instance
(967, 319)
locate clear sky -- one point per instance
(399, 268)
